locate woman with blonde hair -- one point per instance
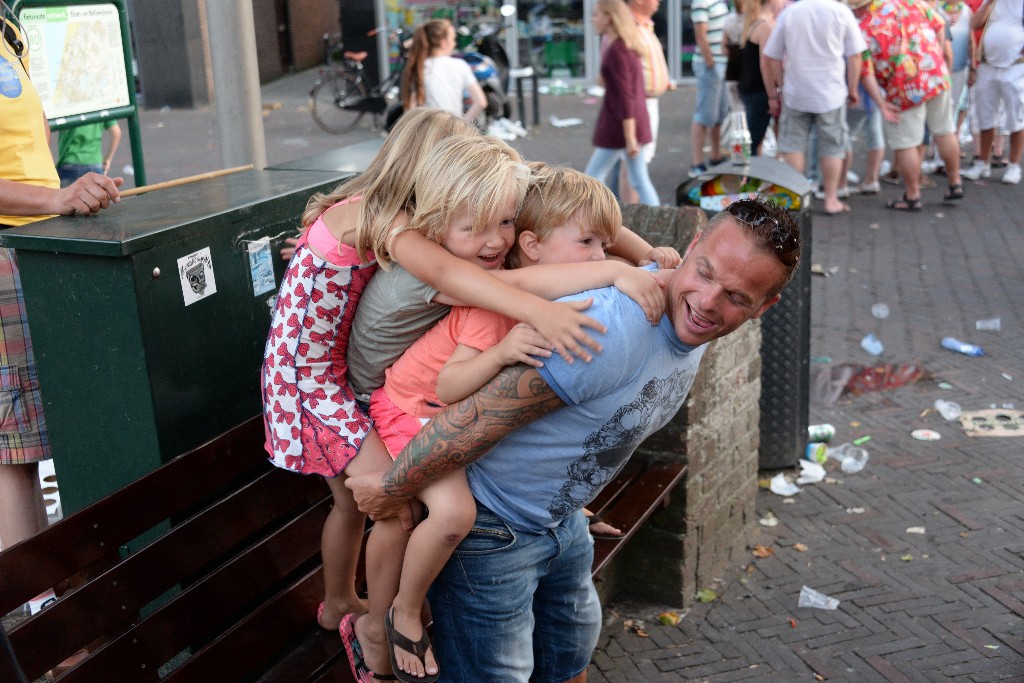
(434, 78)
(622, 126)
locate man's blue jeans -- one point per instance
(510, 606)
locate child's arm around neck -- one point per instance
(562, 324)
(563, 279)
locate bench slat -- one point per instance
(614, 489)
(95, 534)
(203, 610)
(631, 510)
(183, 552)
(255, 642)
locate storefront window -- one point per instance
(551, 37)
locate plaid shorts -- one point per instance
(22, 427)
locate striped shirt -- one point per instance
(712, 13)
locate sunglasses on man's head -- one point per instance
(755, 212)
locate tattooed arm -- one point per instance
(458, 436)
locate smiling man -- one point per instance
(516, 601)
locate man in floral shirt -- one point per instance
(905, 46)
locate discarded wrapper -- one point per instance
(993, 422)
(926, 435)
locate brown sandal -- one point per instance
(905, 204)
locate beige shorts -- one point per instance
(909, 132)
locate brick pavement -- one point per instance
(943, 606)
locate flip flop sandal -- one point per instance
(953, 193)
(418, 649)
(360, 672)
(905, 204)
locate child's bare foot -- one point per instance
(330, 613)
(409, 643)
(375, 646)
(599, 527)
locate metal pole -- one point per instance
(236, 83)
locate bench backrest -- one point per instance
(231, 578)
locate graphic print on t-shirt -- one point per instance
(607, 450)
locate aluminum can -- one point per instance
(816, 452)
(821, 433)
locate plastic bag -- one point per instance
(812, 598)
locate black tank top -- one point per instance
(750, 81)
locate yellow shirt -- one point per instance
(24, 149)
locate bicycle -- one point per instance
(342, 95)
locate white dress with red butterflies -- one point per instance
(313, 423)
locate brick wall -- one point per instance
(704, 526)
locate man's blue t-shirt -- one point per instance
(541, 473)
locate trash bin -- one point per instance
(149, 320)
(786, 327)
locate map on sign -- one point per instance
(77, 58)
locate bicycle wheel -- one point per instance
(327, 98)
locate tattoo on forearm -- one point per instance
(467, 430)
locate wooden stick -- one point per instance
(184, 181)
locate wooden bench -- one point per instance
(208, 568)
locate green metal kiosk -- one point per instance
(149, 319)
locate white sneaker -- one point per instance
(885, 167)
(495, 130)
(1011, 175)
(965, 135)
(852, 178)
(979, 169)
(929, 166)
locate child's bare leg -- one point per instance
(452, 513)
(384, 551)
(340, 543)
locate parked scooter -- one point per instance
(490, 66)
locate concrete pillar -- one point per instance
(237, 83)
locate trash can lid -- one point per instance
(772, 170)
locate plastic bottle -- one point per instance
(961, 347)
(947, 409)
(872, 345)
(851, 458)
(739, 139)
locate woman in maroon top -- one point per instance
(622, 126)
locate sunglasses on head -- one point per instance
(755, 212)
